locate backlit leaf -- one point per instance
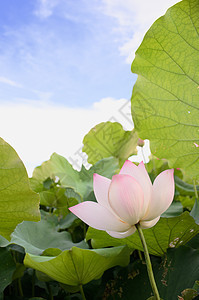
(165, 99)
(17, 201)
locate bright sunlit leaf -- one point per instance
(78, 266)
(109, 139)
(165, 99)
(17, 201)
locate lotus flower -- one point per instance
(129, 198)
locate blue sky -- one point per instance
(65, 66)
(66, 52)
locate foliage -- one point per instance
(165, 96)
(58, 256)
(109, 139)
(17, 201)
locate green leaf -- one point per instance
(82, 182)
(60, 199)
(176, 272)
(195, 211)
(35, 238)
(185, 188)
(189, 294)
(167, 233)
(43, 172)
(186, 201)
(17, 201)
(196, 286)
(165, 99)
(109, 139)
(19, 272)
(174, 276)
(175, 209)
(7, 267)
(78, 266)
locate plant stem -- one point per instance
(148, 263)
(140, 255)
(82, 292)
(33, 283)
(20, 287)
(195, 189)
(49, 291)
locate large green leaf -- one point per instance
(7, 267)
(17, 201)
(60, 199)
(165, 99)
(167, 233)
(177, 271)
(82, 182)
(109, 139)
(78, 266)
(36, 237)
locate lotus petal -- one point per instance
(101, 186)
(140, 174)
(98, 216)
(162, 195)
(126, 198)
(149, 224)
(122, 235)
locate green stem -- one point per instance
(195, 189)
(33, 283)
(140, 255)
(49, 291)
(148, 263)
(20, 287)
(82, 292)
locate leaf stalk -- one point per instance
(148, 263)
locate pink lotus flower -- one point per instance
(129, 198)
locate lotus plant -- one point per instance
(128, 202)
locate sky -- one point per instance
(65, 66)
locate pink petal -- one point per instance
(122, 235)
(101, 186)
(141, 176)
(162, 195)
(126, 198)
(97, 216)
(149, 224)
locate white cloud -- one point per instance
(10, 82)
(134, 18)
(36, 131)
(45, 8)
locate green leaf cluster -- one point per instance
(58, 255)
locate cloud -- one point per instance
(134, 18)
(36, 131)
(45, 8)
(10, 82)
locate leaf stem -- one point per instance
(49, 291)
(20, 287)
(82, 292)
(140, 255)
(33, 283)
(148, 263)
(195, 189)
